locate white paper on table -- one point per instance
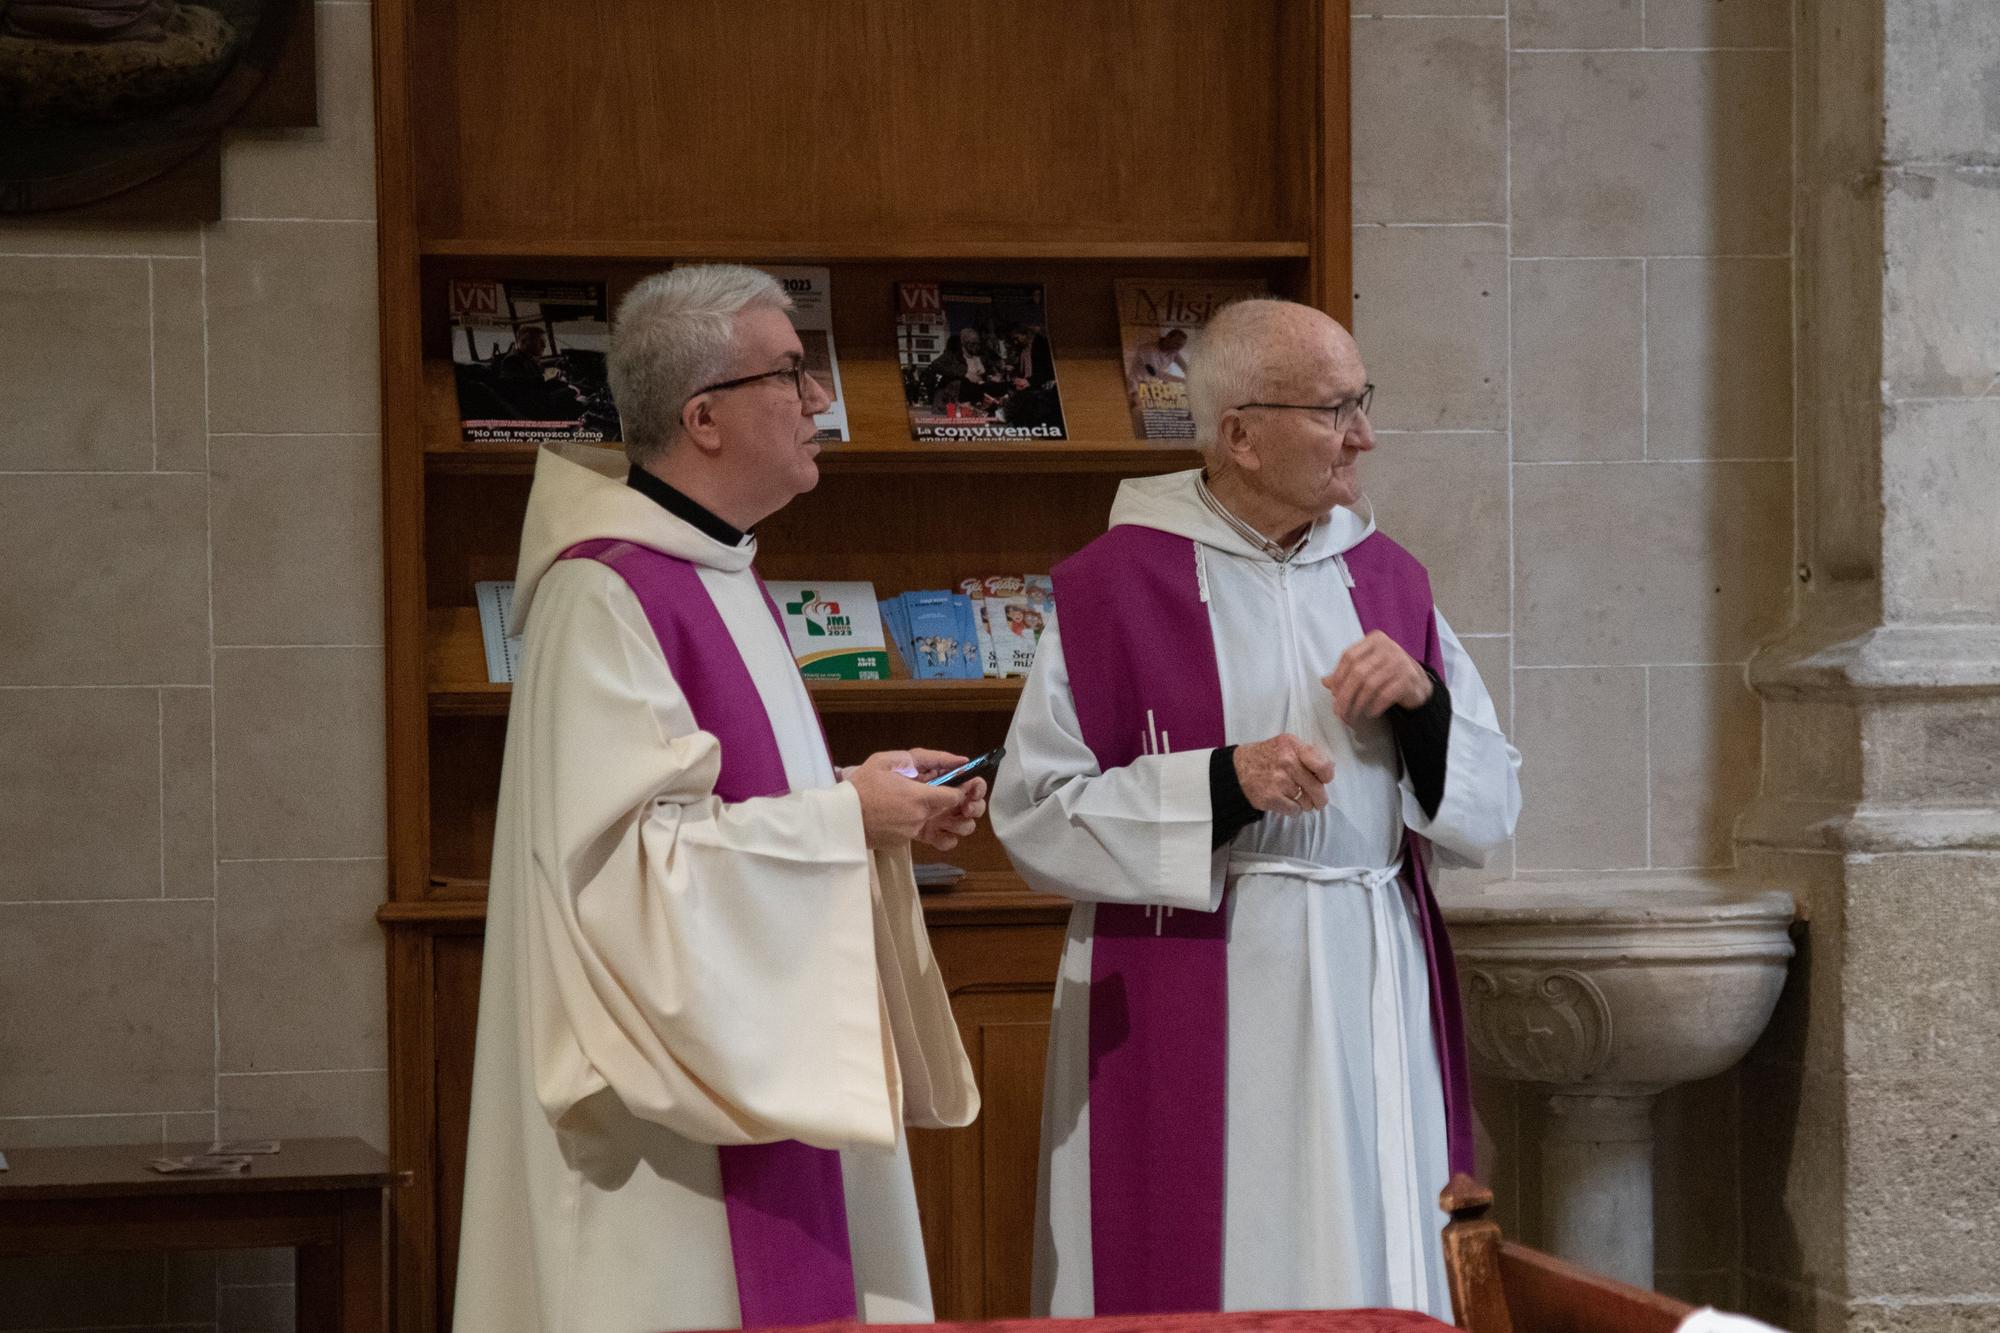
(1710, 1320)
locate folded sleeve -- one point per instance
(711, 963)
(1481, 798)
(1138, 834)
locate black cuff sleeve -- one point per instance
(1423, 734)
(1230, 811)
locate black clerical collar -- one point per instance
(681, 506)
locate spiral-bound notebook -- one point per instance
(496, 627)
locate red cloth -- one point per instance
(1275, 1321)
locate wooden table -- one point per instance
(323, 1197)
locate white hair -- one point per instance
(672, 336)
(1228, 363)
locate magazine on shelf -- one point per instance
(896, 624)
(971, 636)
(529, 360)
(937, 637)
(974, 589)
(933, 632)
(835, 629)
(1017, 610)
(1156, 317)
(496, 628)
(811, 290)
(976, 362)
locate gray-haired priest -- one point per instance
(708, 1007)
(1241, 741)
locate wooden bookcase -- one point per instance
(1066, 143)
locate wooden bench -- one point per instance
(323, 1197)
(1498, 1286)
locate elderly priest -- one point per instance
(1243, 737)
(708, 1006)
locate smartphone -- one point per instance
(982, 767)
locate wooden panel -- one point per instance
(902, 531)
(982, 898)
(1550, 1296)
(1332, 284)
(472, 532)
(1066, 142)
(1011, 1059)
(403, 486)
(412, 1130)
(899, 531)
(976, 1186)
(465, 793)
(455, 998)
(792, 250)
(890, 117)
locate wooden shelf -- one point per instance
(912, 696)
(1105, 458)
(835, 148)
(459, 688)
(1093, 404)
(860, 249)
(983, 897)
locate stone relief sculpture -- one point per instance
(1546, 1027)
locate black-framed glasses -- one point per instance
(1343, 411)
(797, 374)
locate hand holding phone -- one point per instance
(982, 767)
(969, 781)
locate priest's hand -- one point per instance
(943, 831)
(1374, 674)
(896, 808)
(1284, 775)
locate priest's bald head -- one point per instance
(1280, 404)
(712, 391)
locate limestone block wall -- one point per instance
(1573, 276)
(191, 844)
(1869, 1205)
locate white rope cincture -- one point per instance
(1404, 1210)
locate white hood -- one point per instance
(1171, 504)
(580, 495)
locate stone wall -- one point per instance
(1572, 275)
(191, 688)
(1870, 1182)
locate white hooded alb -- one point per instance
(665, 972)
(1335, 1148)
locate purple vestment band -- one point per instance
(786, 1202)
(1142, 666)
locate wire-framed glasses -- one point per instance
(1342, 412)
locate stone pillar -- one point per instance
(1871, 1113)
(1597, 1182)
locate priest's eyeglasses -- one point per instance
(796, 373)
(1343, 412)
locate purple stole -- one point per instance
(786, 1203)
(1142, 672)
